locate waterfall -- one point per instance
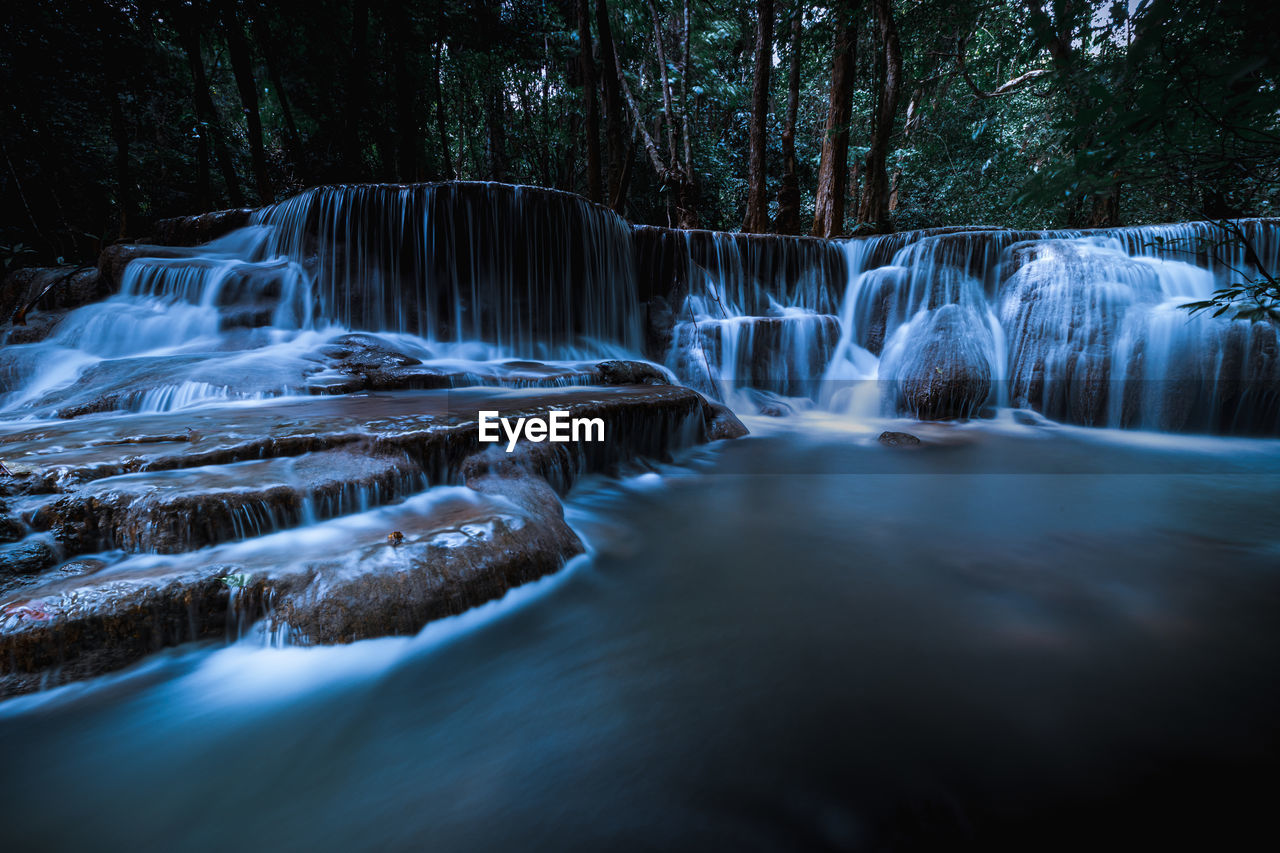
(465, 275)
(532, 271)
(1081, 326)
(750, 312)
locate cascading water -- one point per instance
(532, 271)
(1081, 326)
(463, 276)
(751, 312)
(1051, 616)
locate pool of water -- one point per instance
(1015, 637)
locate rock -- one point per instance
(768, 404)
(172, 511)
(881, 306)
(27, 557)
(721, 422)
(630, 373)
(38, 327)
(898, 439)
(11, 530)
(62, 287)
(63, 633)
(444, 562)
(1062, 304)
(365, 353)
(114, 259)
(938, 366)
(200, 228)
(198, 477)
(1202, 374)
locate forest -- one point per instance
(857, 116)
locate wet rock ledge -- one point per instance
(325, 519)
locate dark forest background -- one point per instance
(760, 115)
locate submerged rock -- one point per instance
(11, 529)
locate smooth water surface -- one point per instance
(1023, 638)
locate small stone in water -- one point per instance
(395, 538)
(898, 439)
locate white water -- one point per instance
(1082, 327)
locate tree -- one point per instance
(242, 64)
(612, 107)
(788, 219)
(209, 125)
(356, 92)
(674, 173)
(875, 199)
(589, 106)
(757, 218)
(828, 220)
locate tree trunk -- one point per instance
(357, 81)
(440, 117)
(788, 221)
(292, 139)
(612, 107)
(242, 66)
(407, 168)
(210, 127)
(875, 203)
(757, 218)
(828, 219)
(589, 106)
(495, 150)
(1106, 208)
(124, 182)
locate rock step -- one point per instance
(174, 481)
(434, 427)
(387, 571)
(182, 509)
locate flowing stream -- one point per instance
(1053, 622)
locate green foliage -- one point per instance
(1167, 113)
(1255, 294)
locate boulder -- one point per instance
(48, 289)
(939, 366)
(722, 423)
(1062, 305)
